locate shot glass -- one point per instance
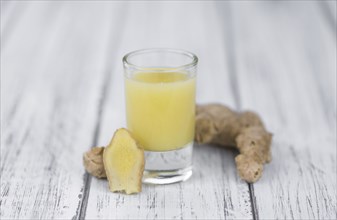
(160, 110)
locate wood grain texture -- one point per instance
(62, 93)
(214, 191)
(286, 69)
(53, 64)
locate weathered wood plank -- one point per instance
(286, 69)
(8, 20)
(214, 191)
(329, 9)
(275, 58)
(53, 64)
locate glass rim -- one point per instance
(194, 59)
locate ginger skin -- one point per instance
(93, 162)
(217, 124)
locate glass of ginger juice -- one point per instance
(160, 110)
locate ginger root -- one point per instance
(124, 163)
(217, 124)
(93, 162)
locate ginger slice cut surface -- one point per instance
(124, 163)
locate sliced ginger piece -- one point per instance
(124, 163)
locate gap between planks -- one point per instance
(81, 210)
(234, 86)
(82, 207)
(329, 13)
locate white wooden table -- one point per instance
(62, 93)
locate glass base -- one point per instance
(167, 177)
(167, 167)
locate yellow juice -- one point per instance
(160, 108)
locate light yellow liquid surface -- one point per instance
(160, 109)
